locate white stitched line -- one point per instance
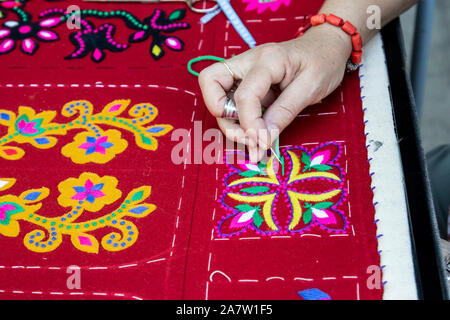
(214, 214)
(253, 21)
(33, 267)
(200, 44)
(349, 277)
(76, 293)
(281, 237)
(248, 280)
(249, 238)
(310, 235)
(207, 289)
(18, 291)
(277, 19)
(98, 268)
(99, 294)
(209, 261)
(193, 114)
(172, 88)
(275, 278)
(179, 203)
(178, 219)
(173, 241)
(151, 261)
(357, 291)
(326, 113)
(329, 278)
(128, 265)
(182, 183)
(303, 279)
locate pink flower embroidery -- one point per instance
(262, 5)
(26, 32)
(3, 209)
(96, 145)
(89, 192)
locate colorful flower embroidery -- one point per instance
(95, 40)
(88, 192)
(25, 31)
(262, 5)
(155, 25)
(92, 145)
(89, 38)
(311, 189)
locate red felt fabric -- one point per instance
(179, 251)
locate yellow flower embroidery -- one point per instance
(88, 192)
(87, 147)
(92, 145)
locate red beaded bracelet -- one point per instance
(346, 26)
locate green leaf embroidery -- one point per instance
(323, 205)
(257, 219)
(307, 216)
(253, 190)
(137, 196)
(146, 140)
(322, 167)
(249, 173)
(177, 15)
(244, 207)
(306, 159)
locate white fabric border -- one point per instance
(389, 193)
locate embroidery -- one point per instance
(92, 145)
(314, 294)
(262, 5)
(88, 192)
(90, 39)
(24, 31)
(312, 189)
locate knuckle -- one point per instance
(272, 51)
(203, 77)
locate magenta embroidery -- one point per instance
(262, 5)
(89, 39)
(308, 196)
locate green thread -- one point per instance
(201, 58)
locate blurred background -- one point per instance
(435, 108)
(435, 118)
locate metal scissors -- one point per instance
(189, 3)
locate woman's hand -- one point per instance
(285, 77)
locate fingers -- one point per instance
(215, 81)
(252, 90)
(289, 104)
(234, 132)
